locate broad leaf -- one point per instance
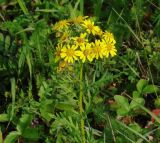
(12, 137)
(136, 102)
(123, 105)
(141, 84)
(24, 122)
(4, 117)
(31, 133)
(150, 89)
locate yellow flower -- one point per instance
(69, 53)
(80, 40)
(78, 19)
(109, 37)
(91, 28)
(61, 24)
(64, 37)
(64, 65)
(98, 49)
(109, 44)
(86, 53)
(58, 52)
(109, 48)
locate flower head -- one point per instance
(58, 52)
(98, 49)
(107, 36)
(81, 40)
(78, 19)
(90, 27)
(64, 37)
(109, 48)
(86, 52)
(61, 24)
(69, 53)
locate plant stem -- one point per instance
(81, 103)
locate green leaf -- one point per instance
(141, 84)
(4, 117)
(12, 137)
(136, 94)
(135, 127)
(123, 104)
(150, 89)
(25, 120)
(157, 102)
(46, 108)
(122, 111)
(23, 6)
(31, 133)
(136, 102)
(65, 106)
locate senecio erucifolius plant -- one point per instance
(79, 40)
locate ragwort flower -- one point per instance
(109, 48)
(81, 40)
(86, 52)
(90, 27)
(61, 24)
(69, 53)
(78, 19)
(98, 49)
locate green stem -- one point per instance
(81, 104)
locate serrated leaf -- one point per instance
(137, 102)
(25, 120)
(150, 89)
(141, 84)
(12, 137)
(4, 117)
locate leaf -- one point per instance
(22, 6)
(31, 133)
(141, 84)
(4, 117)
(135, 127)
(123, 105)
(122, 111)
(136, 94)
(12, 137)
(46, 108)
(150, 89)
(25, 120)
(65, 106)
(136, 102)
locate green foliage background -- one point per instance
(37, 104)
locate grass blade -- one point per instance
(23, 6)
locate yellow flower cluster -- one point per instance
(79, 39)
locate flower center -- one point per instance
(80, 40)
(109, 47)
(70, 52)
(90, 26)
(86, 52)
